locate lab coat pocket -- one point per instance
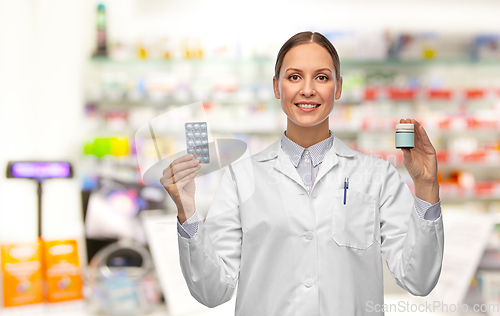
(353, 223)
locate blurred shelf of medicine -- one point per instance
(457, 100)
(382, 63)
(119, 89)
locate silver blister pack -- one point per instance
(197, 141)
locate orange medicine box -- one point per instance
(22, 274)
(64, 281)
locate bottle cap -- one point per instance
(405, 128)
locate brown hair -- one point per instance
(303, 38)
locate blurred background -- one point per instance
(78, 78)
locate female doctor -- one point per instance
(288, 229)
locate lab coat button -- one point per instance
(309, 235)
(315, 194)
(308, 282)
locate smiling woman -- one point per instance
(308, 241)
(307, 80)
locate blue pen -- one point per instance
(346, 186)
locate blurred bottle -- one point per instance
(429, 45)
(166, 49)
(199, 50)
(497, 145)
(102, 49)
(200, 53)
(141, 50)
(186, 49)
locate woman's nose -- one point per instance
(307, 89)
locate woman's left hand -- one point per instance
(420, 161)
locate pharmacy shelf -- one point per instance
(487, 158)
(468, 131)
(168, 62)
(419, 63)
(386, 124)
(100, 61)
(449, 193)
(116, 98)
(459, 200)
(255, 95)
(170, 100)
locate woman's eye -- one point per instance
(293, 77)
(322, 78)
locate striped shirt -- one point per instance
(307, 162)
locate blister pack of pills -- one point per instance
(197, 141)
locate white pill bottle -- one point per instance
(405, 136)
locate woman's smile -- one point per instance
(307, 106)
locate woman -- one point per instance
(304, 241)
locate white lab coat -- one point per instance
(294, 254)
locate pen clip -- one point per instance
(346, 186)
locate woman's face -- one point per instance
(307, 76)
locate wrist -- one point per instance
(184, 215)
(181, 214)
(425, 180)
(427, 191)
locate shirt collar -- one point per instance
(317, 151)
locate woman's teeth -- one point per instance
(307, 106)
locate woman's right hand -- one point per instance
(178, 180)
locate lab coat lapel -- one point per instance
(329, 161)
(285, 166)
(331, 158)
(282, 163)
